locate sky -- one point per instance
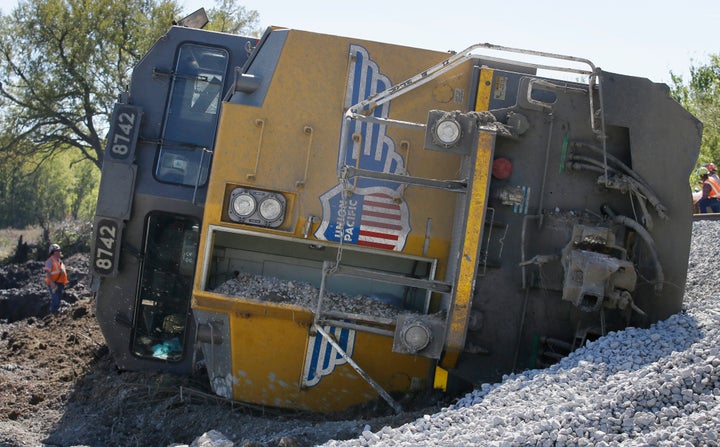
(633, 37)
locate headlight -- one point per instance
(454, 132)
(256, 207)
(447, 131)
(416, 337)
(244, 205)
(271, 209)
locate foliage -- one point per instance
(701, 97)
(62, 64)
(72, 235)
(229, 17)
(17, 246)
(40, 191)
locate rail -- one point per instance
(363, 109)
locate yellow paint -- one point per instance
(482, 99)
(307, 90)
(478, 193)
(441, 379)
(269, 344)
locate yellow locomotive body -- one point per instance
(320, 221)
(288, 144)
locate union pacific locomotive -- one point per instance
(321, 221)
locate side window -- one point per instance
(163, 306)
(192, 114)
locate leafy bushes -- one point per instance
(40, 190)
(18, 246)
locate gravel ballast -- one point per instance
(637, 387)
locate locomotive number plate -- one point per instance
(123, 132)
(107, 239)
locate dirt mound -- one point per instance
(59, 385)
(23, 293)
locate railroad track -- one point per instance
(706, 216)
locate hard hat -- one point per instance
(711, 167)
(54, 248)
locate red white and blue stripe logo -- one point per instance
(375, 214)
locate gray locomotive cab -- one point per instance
(153, 187)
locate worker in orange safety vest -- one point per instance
(710, 192)
(713, 171)
(55, 277)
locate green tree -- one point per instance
(700, 95)
(34, 194)
(42, 191)
(62, 65)
(63, 62)
(52, 203)
(229, 17)
(84, 191)
(16, 192)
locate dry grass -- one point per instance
(9, 239)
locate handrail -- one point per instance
(369, 104)
(376, 386)
(458, 58)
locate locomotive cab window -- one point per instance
(163, 303)
(191, 116)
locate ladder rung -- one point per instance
(435, 286)
(449, 185)
(357, 327)
(358, 317)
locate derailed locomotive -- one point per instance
(320, 221)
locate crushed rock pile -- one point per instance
(637, 387)
(303, 294)
(642, 387)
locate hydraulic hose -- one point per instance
(596, 166)
(645, 235)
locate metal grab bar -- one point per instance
(376, 386)
(370, 103)
(458, 58)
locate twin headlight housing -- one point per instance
(257, 207)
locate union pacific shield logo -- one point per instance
(322, 358)
(375, 214)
